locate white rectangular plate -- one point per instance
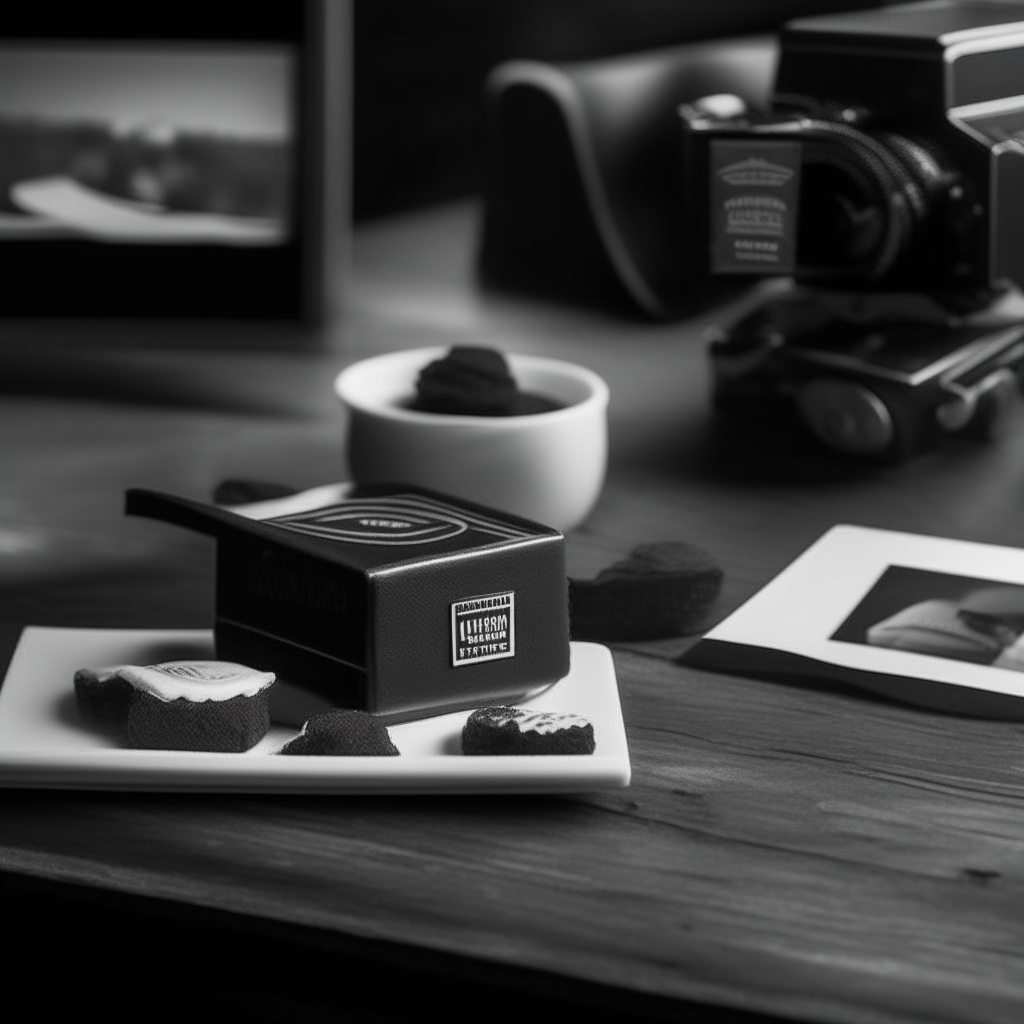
(43, 743)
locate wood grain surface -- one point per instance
(807, 852)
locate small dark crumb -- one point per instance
(687, 795)
(980, 876)
(342, 733)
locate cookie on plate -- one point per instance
(511, 730)
(343, 733)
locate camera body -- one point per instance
(892, 157)
(887, 179)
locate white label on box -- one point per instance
(483, 628)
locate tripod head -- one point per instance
(880, 375)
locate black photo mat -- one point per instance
(900, 587)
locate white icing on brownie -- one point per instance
(544, 723)
(196, 680)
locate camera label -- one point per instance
(755, 189)
(483, 628)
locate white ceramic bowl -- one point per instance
(547, 466)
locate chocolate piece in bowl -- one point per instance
(472, 380)
(388, 599)
(468, 380)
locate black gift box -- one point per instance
(390, 599)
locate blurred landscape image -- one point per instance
(146, 144)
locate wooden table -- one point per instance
(787, 851)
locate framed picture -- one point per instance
(920, 620)
(179, 162)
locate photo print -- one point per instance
(147, 143)
(941, 614)
(930, 621)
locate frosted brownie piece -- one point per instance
(180, 705)
(197, 705)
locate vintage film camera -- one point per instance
(890, 165)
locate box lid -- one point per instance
(360, 528)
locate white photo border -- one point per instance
(802, 608)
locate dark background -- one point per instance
(417, 132)
(420, 65)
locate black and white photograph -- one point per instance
(512, 510)
(946, 616)
(146, 144)
(933, 621)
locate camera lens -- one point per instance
(842, 217)
(865, 201)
